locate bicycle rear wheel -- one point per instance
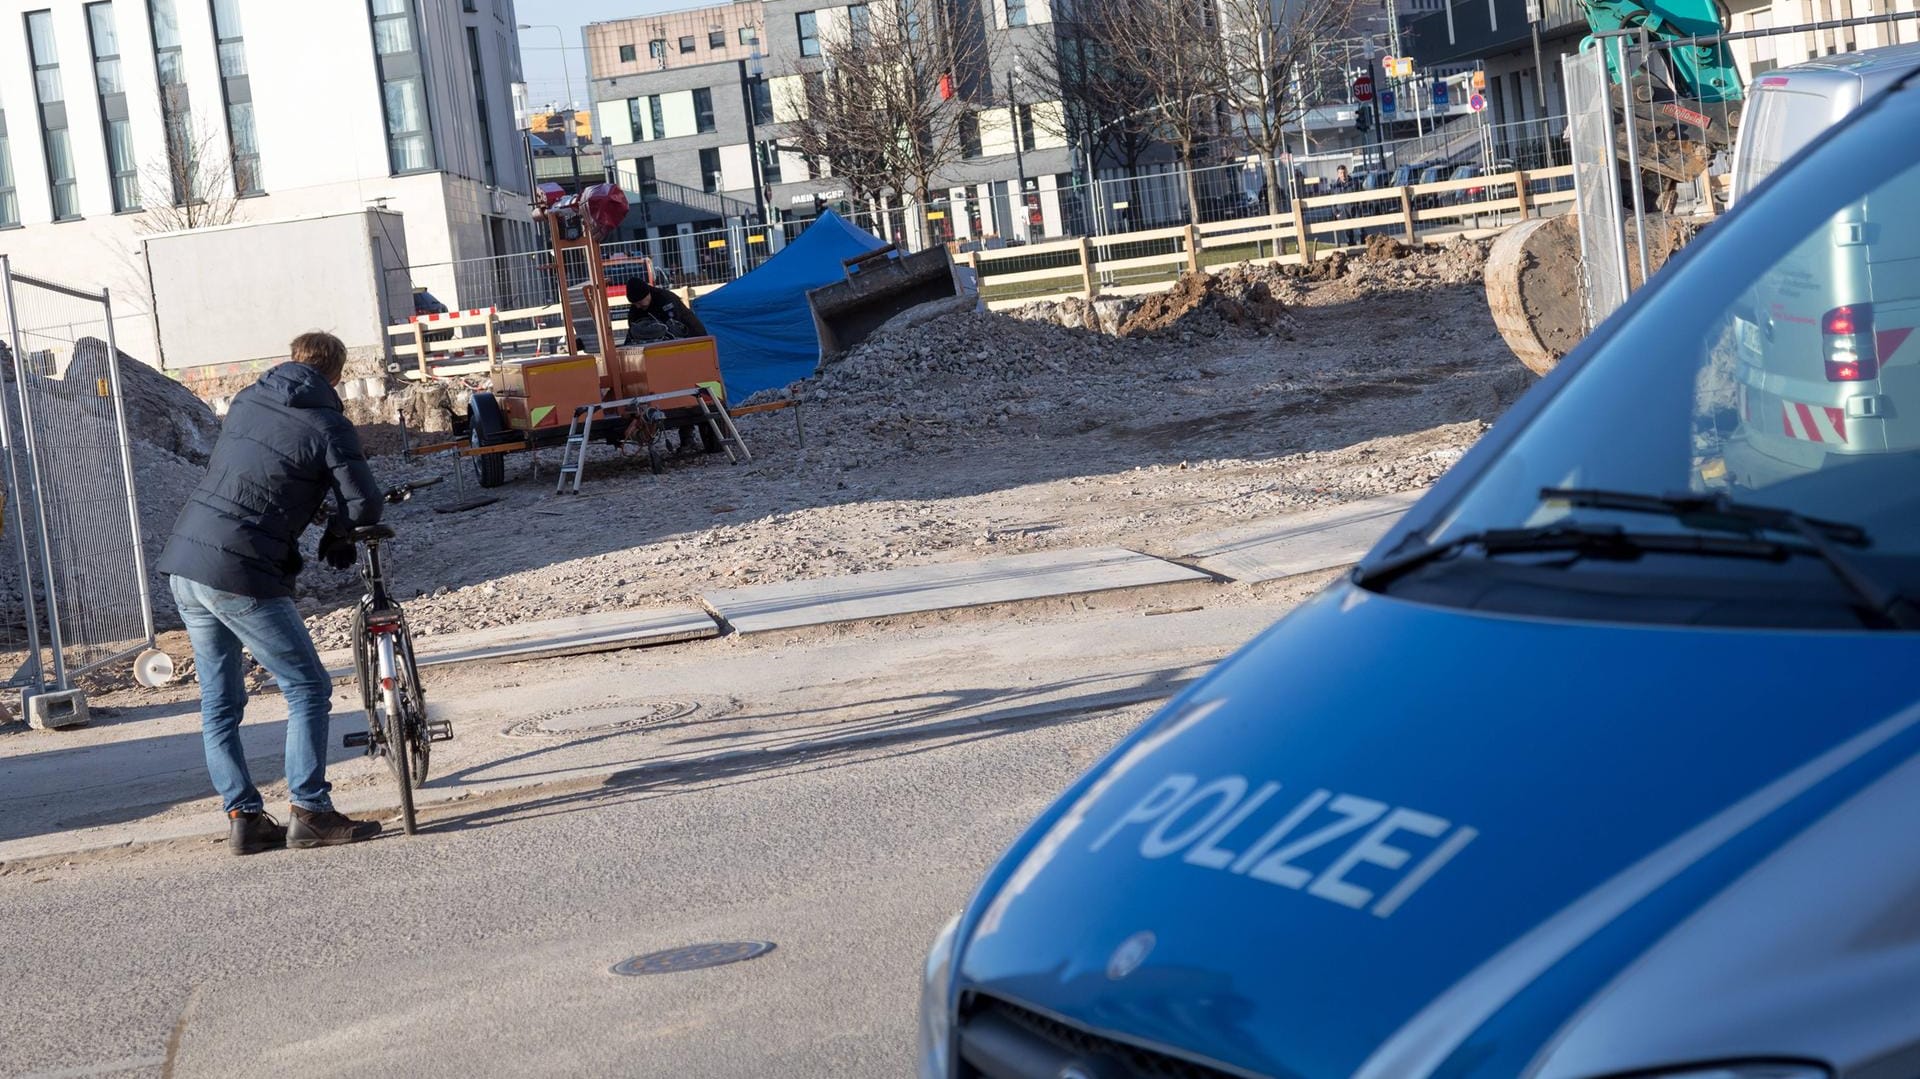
(413, 695)
(399, 712)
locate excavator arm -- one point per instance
(1700, 73)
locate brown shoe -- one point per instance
(251, 833)
(328, 829)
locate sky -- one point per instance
(541, 51)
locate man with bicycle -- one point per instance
(285, 447)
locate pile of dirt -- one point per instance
(1389, 265)
(172, 434)
(1384, 248)
(1239, 300)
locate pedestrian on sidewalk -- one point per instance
(286, 446)
(1342, 183)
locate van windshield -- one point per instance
(1777, 365)
(1778, 124)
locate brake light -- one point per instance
(1776, 80)
(1848, 335)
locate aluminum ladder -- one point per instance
(573, 453)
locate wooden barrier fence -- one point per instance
(1089, 266)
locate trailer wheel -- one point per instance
(485, 426)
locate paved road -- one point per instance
(483, 946)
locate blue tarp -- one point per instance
(761, 321)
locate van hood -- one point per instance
(1388, 839)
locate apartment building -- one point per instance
(122, 118)
(696, 135)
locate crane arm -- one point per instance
(1703, 73)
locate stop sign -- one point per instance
(1363, 87)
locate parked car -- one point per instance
(1789, 107)
(1604, 762)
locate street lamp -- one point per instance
(1019, 137)
(566, 72)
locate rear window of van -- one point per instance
(1778, 123)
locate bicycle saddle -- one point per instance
(372, 532)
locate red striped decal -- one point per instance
(1838, 418)
(1806, 422)
(1888, 342)
(1786, 422)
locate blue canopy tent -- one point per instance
(761, 321)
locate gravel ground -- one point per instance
(985, 434)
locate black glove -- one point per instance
(336, 550)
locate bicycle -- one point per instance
(395, 701)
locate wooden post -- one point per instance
(1520, 192)
(1406, 212)
(1193, 249)
(1089, 279)
(1300, 230)
(420, 346)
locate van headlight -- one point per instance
(936, 1005)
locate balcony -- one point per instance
(559, 167)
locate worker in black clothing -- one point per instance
(655, 314)
(652, 309)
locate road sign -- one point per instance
(1479, 80)
(1440, 93)
(1386, 102)
(1363, 87)
(1477, 102)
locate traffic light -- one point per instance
(1362, 118)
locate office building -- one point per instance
(121, 118)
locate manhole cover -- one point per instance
(600, 719)
(693, 957)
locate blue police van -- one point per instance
(1604, 763)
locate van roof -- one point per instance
(1875, 67)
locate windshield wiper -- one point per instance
(1588, 541)
(1717, 511)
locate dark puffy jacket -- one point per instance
(285, 446)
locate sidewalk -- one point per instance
(699, 709)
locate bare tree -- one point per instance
(1266, 49)
(1173, 46)
(887, 102)
(194, 185)
(1105, 109)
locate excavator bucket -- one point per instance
(878, 286)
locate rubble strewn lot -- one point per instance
(1234, 397)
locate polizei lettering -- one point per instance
(1343, 848)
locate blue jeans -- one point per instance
(219, 623)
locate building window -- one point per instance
(703, 110)
(9, 201)
(53, 115)
(716, 39)
(658, 116)
(808, 25)
(686, 44)
(749, 36)
(644, 182)
(480, 106)
(176, 111)
(657, 48)
(859, 25)
(403, 87)
(628, 54)
(762, 92)
(710, 169)
(770, 162)
(1016, 12)
(1026, 126)
(970, 134)
(236, 86)
(114, 123)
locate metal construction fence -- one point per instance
(1596, 185)
(72, 573)
(1154, 196)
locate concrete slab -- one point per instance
(552, 637)
(1300, 542)
(794, 604)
